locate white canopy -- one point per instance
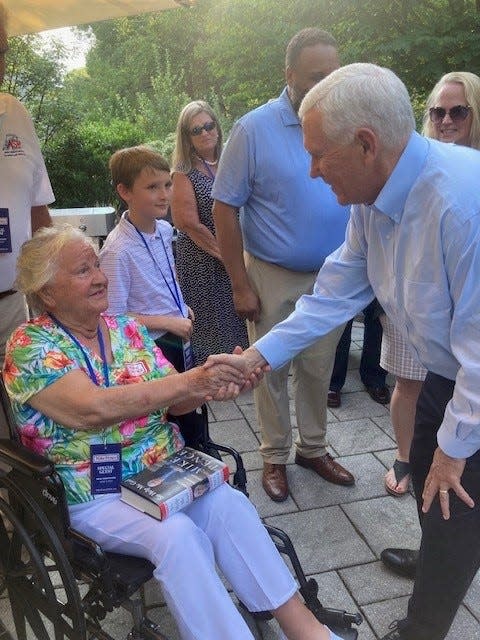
(31, 16)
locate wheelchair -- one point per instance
(61, 585)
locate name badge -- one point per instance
(187, 354)
(105, 468)
(136, 369)
(5, 234)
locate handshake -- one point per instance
(226, 375)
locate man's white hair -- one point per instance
(362, 95)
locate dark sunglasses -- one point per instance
(457, 113)
(208, 126)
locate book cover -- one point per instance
(169, 486)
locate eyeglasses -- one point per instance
(208, 126)
(457, 113)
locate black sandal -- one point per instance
(401, 470)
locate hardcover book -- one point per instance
(169, 486)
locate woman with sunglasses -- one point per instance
(453, 110)
(204, 282)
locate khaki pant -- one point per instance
(278, 290)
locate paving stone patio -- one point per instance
(338, 532)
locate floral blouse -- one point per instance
(39, 353)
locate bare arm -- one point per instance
(185, 216)
(40, 217)
(178, 325)
(75, 402)
(229, 238)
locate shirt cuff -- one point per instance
(270, 348)
(454, 447)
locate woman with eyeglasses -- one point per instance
(452, 114)
(204, 282)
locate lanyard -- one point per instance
(174, 291)
(210, 172)
(77, 343)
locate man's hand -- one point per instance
(247, 303)
(444, 475)
(250, 363)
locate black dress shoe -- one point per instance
(379, 394)
(401, 561)
(334, 399)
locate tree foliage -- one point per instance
(77, 161)
(142, 70)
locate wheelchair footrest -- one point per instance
(340, 622)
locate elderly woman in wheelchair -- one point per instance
(81, 381)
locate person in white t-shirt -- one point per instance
(25, 192)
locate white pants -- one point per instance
(221, 528)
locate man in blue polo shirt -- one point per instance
(288, 224)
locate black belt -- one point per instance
(4, 294)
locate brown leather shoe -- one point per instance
(327, 468)
(334, 399)
(274, 481)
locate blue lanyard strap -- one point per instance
(77, 343)
(209, 171)
(174, 291)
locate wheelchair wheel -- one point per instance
(34, 570)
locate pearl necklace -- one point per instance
(210, 164)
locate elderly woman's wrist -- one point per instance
(196, 384)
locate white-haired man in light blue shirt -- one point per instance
(413, 241)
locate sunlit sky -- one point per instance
(77, 46)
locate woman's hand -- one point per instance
(222, 381)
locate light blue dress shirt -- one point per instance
(287, 218)
(417, 249)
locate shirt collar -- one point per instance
(287, 112)
(392, 198)
(132, 231)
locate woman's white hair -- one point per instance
(37, 262)
(362, 95)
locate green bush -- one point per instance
(77, 161)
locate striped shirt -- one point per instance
(141, 280)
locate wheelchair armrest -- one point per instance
(22, 459)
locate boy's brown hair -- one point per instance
(126, 164)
